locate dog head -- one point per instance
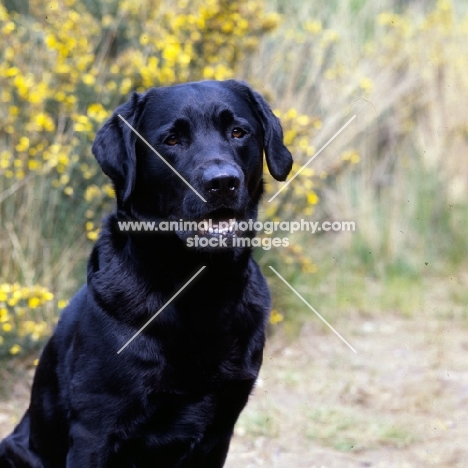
(192, 152)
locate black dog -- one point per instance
(172, 396)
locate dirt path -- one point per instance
(400, 402)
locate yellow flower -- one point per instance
(44, 122)
(92, 192)
(15, 349)
(312, 198)
(310, 150)
(366, 84)
(10, 72)
(82, 123)
(4, 315)
(352, 156)
(126, 86)
(313, 27)
(93, 235)
(291, 114)
(97, 112)
(4, 164)
(23, 144)
(289, 136)
(47, 295)
(8, 28)
(33, 165)
(70, 99)
(108, 190)
(62, 303)
(64, 179)
(3, 13)
(88, 79)
(307, 171)
(34, 302)
(303, 120)
(303, 143)
(271, 21)
(275, 317)
(208, 72)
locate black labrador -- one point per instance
(169, 398)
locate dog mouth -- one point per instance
(221, 224)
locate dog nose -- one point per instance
(221, 180)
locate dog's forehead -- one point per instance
(201, 99)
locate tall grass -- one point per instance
(33, 217)
(400, 67)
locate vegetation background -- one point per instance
(396, 288)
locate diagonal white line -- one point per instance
(161, 309)
(312, 158)
(312, 309)
(162, 159)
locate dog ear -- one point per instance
(278, 157)
(114, 149)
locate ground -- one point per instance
(399, 402)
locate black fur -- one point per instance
(171, 398)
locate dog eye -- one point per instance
(238, 133)
(171, 140)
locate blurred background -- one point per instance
(396, 288)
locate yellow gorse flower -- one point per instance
(17, 319)
(275, 317)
